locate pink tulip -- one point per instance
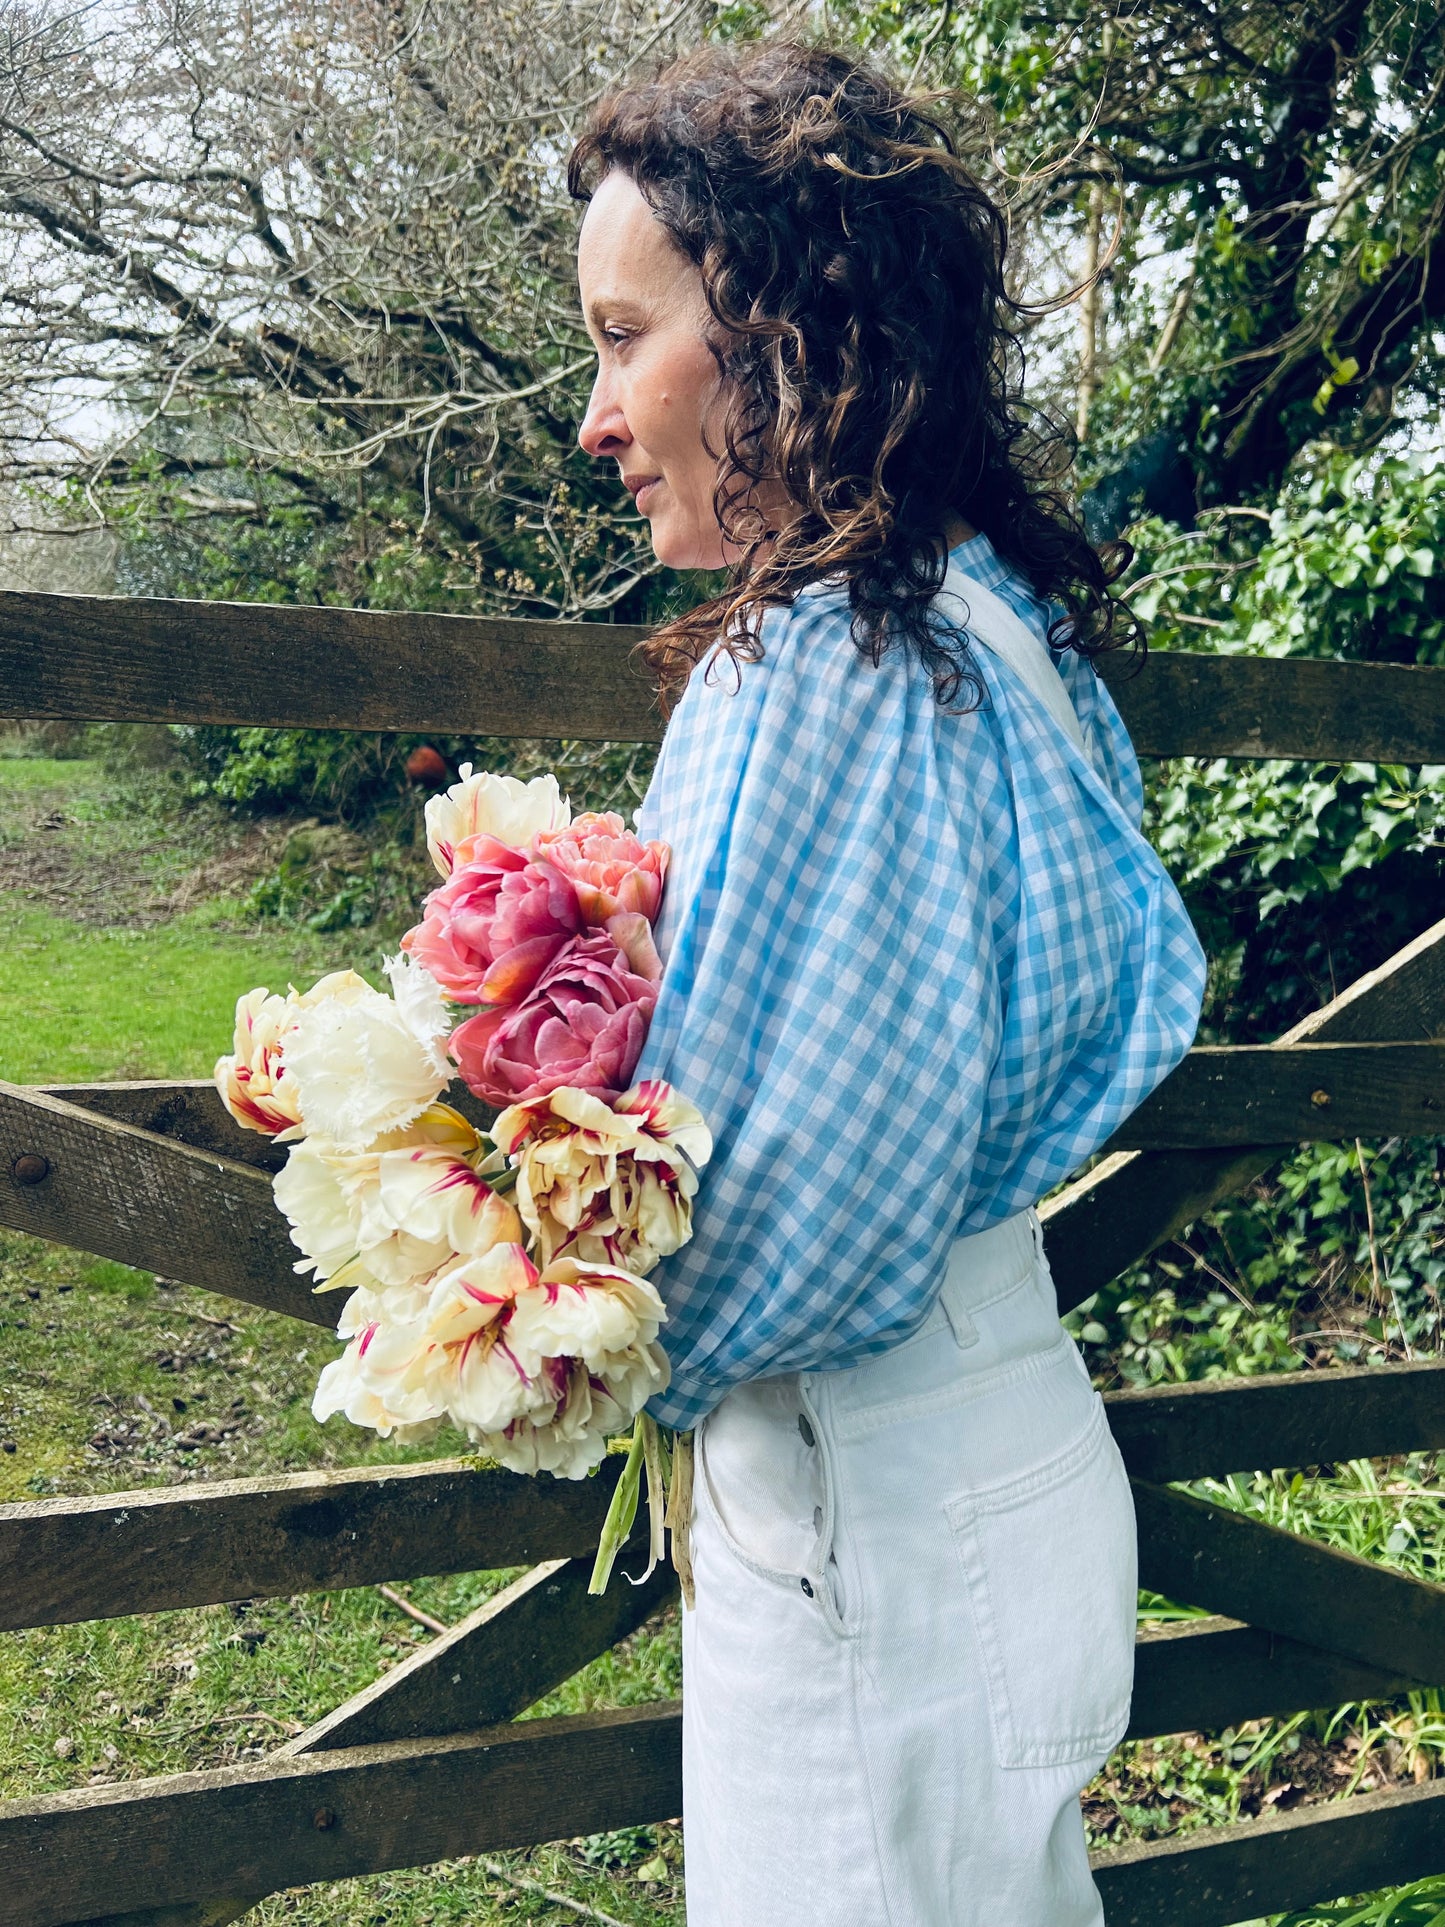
(583, 1023)
(495, 925)
(609, 868)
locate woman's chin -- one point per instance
(685, 548)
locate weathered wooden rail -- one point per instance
(310, 668)
(425, 1764)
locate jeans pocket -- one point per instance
(1050, 1560)
(761, 1479)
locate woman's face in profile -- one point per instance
(657, 397)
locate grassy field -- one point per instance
(122, 952)
(123, 945)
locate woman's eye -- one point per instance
(616, 336)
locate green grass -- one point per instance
(1177, 1784)
(113, 965)
(99, 977)
(21, 775)
(118, 1003)
(114, 1381)
(1421, 1904)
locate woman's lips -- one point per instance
(642, 495)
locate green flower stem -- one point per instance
(622, 1511)
(648, 1451)
(659, 1476)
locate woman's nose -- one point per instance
(604, 427)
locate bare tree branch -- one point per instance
(330, 238)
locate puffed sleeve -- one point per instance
(918, 966)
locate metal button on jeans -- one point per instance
(807, 1587)
(806, 1429)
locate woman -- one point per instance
(920, 964)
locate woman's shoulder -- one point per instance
(821, 616)
(802, 646)
(979, 561)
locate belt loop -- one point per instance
(965, 1332)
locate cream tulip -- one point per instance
(484, 805)
(363, 1065)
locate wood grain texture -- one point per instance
(249, 1830)
(1282, 1419)
(401, 1795)
(157, 1549)
(500, 1659)
(1200, 1676)
(408, 1803)
(489, 1667)
(1129, 1204)
(218, 1912)
(1220, 1095)
(139, 659)
(1245, 1094)
(1183, 704)
(1205, 1674)
(189, 1110)
(1289, 1861)
(1230, 1563)
(143, 659)
(1134, 1201)
(66, 1560)
(145, 1200)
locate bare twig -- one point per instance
(385, 320)
(402, 1604)
(1089, 311)
(1374, 1254)
(499, 1872)
(1169, 333)
(930, 39)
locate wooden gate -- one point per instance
(425, 1764)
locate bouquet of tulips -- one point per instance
(498, 1279)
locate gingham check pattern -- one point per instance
(919, 966)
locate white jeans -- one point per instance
(914, 1634)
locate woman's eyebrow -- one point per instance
(611, 308)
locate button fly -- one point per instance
(807, 1587)
(806, 1429)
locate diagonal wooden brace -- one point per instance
(1229, 1563)
(493, 1665)
(1135, 1201)
(500, 1659)
(1201, 1675)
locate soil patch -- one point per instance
(97, 863)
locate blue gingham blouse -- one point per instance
(918, 967)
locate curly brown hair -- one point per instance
(868, 343)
